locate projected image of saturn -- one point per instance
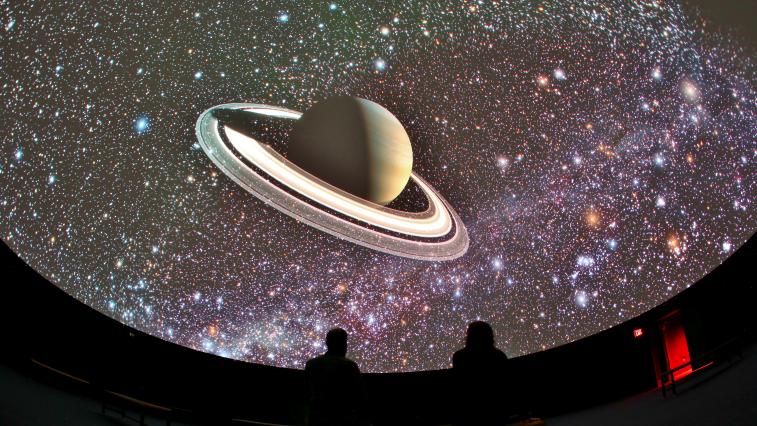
(371, 156)
(240, 178)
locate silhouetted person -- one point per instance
(479, 371)
(334, 384)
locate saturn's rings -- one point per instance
(434, 234)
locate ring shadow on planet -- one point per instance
(354, 144)
(411, 199)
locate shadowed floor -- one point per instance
(26, 401)
(721, 394)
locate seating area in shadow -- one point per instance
(721, 394)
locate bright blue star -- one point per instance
(497, 264)
(141, 124)
(582, 299)
(659, 160)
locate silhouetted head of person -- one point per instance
(336, 342)
(479, 335)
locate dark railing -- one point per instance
(668, 377)
(125, 404)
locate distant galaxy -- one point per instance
(601, 156)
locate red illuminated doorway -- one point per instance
(675, 346)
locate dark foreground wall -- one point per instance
(43, 323)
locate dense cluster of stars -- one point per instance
(602, 157)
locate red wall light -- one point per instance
(638, 332)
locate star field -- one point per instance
(602, 157)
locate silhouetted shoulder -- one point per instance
(500, 355)
(313, 362)
(458, 357)
(352, 364)
(333, 361)
(470, 358)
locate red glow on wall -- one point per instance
(676, 346)
(637, 332)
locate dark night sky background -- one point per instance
(602, 156)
